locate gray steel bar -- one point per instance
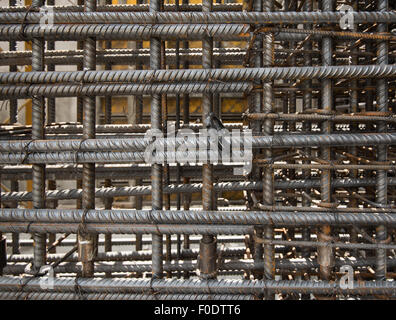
(38, 111)
(154, 17)
(140, 7)
(156, 169)
(283, 265)
(5, 295)
(198, 286)
(307, 104)
(74, 32)
(87, 243)
(51, 118)
(140, 144)
(382, 153)
(14, 185)
(23, 227)
(325, 254)
(207, 254)
(256, 105)
(268, 173)
(127, 216)
(108, 202)
(180, 75)
(117, 89)
(129, 255)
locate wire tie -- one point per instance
(220, 257)
(149, 79)
(77, 289)
(24, 22)
(207, 27)
(276, 140)
(28, 227)
(328, 205)
(27, 152)
(28, 279)
(82, 228)
(152, 291)
(78, 150)
(336, 217)
(154, 222)
(82, 81)
(277, 31)
(23, 284)
(207, 285)
(386, 241)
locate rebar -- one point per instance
(156, 170)
(299, 102)
(87, 242)
(38, 170)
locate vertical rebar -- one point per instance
(382, 106)
(177, 127)
(354, 108)
(325, 253)
(268, 130)
(292, 6)
(108, 202)
(51, 112)
(87, 241)
(217, 65)
(166, 174)
(156, 169)
(79, 102)
(307, 105)
(139, 119)
(207, 263)
(38, 107)
(256, 106)
(13, 68)
(186, 121)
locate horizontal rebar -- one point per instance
(235, 252)
(74, 32)
(198, 286)
(198, 17)
(5, 295)
(33, 148)
(199, 75)
(102, 89)
(132, 7)
(24, 227)
(231, 265)
(118, 216)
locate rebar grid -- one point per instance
(318, 98)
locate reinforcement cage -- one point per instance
(306, 88)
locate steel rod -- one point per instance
(198, 286)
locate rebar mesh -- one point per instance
(309, 85)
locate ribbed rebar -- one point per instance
(276, 218)
(382, 154)
(100, 146)
(156, 17)
(232, 74)
(198, 286)
(208, 243)
(156, 170)
(325, 255)
(88, 242)
(268, 130)
(38, 170)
